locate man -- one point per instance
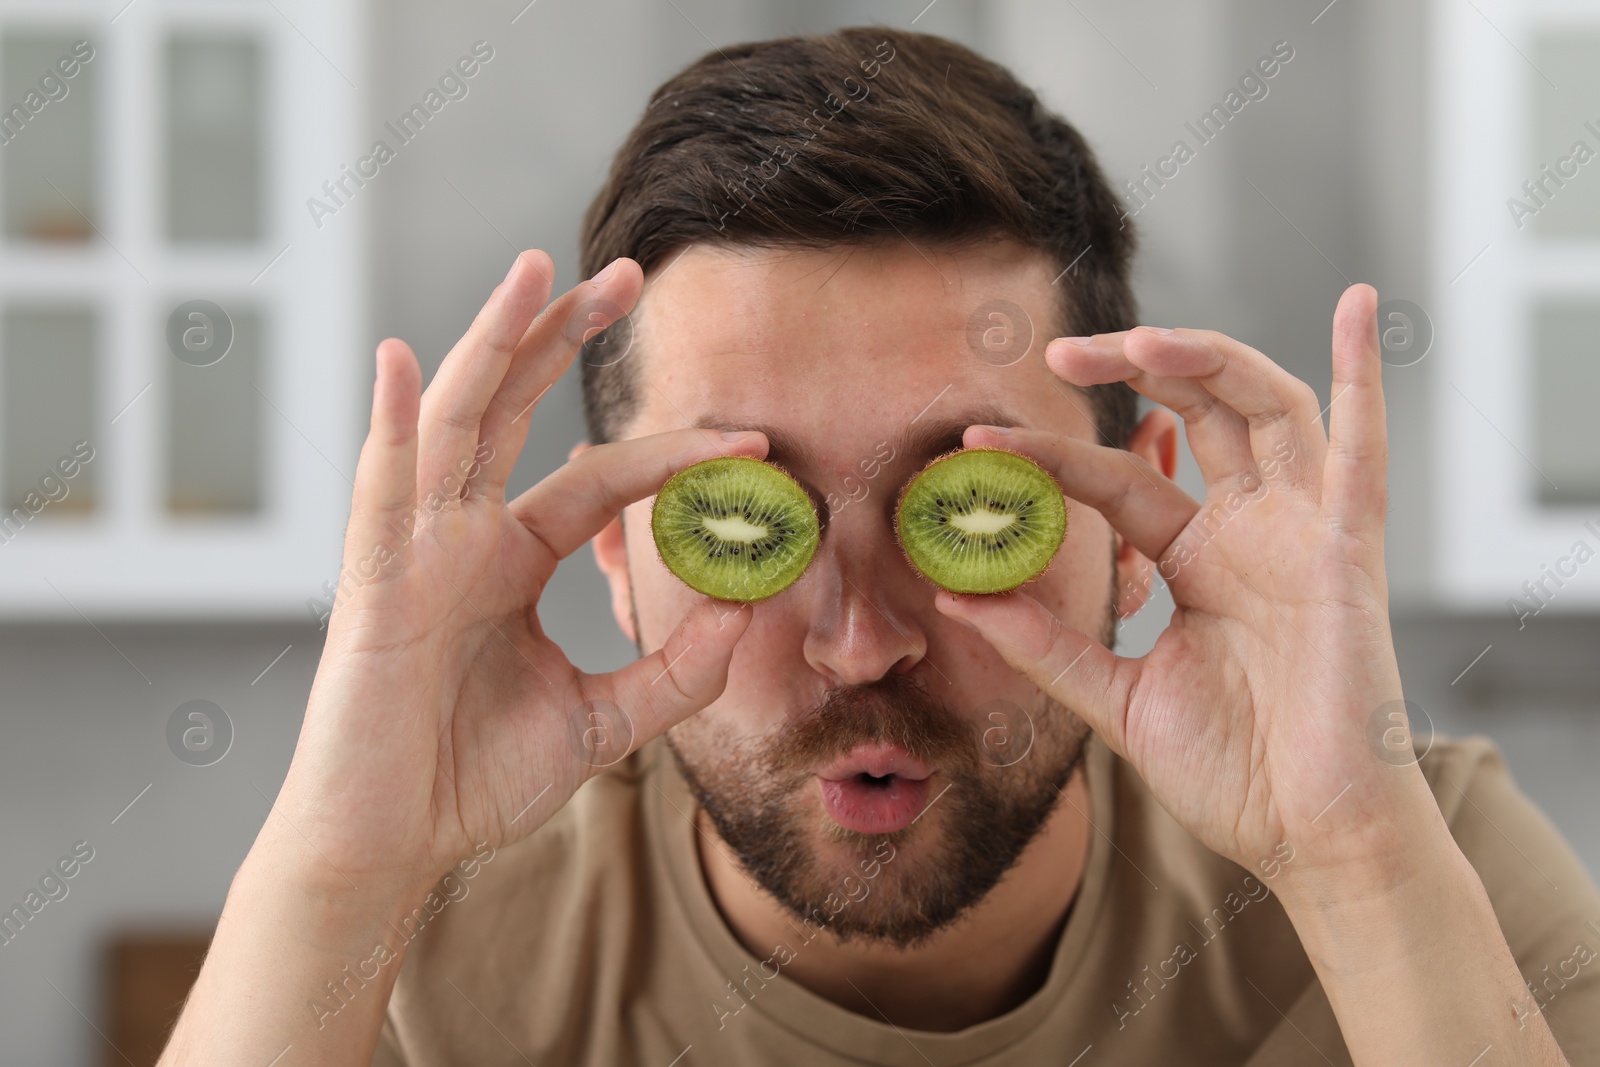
(845, 254)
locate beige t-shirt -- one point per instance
(595, 942)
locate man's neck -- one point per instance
(987, 963)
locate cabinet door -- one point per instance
(1517, 293)
(174, 329)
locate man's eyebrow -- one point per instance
(925, 437)
(782, 448)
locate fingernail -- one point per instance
(1081, 342)
(949, 602)
(738, 435)
(992, 429)
(609, 270)
(1156, 329)
(515, 263)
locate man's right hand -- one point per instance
(442, 716)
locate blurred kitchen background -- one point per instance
(172, 299)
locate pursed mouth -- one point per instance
(875, 764)
(875, 789)
(870, 804)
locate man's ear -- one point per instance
(611, 554)
(1155, 439)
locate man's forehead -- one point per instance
(815, 347)
(711, 289)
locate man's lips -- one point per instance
(879, 761)
(876, 789)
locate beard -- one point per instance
(896, 888)
(971, 833)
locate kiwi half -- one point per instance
(735, 528)
(982, 520)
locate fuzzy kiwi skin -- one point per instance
(900, 504)
(814, 520)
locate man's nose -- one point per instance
(867, 618)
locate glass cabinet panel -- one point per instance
(214, 127)
(1567, 388)
(47, 136)
(1562, 197)
(48, 381)
(214, 449)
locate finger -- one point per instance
(543, 355)
(386, 473)
(453, 406)
(577, 501)
(1284, 419)
(1219, 437)
(1139, 502)
(1355, 486)
(680, 678)
(1068, 665)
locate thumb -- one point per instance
(1064, 663)
(685, 674)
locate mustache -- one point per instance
(896, 710)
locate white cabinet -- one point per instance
(1516, 282)
(182, 363)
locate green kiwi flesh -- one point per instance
(735, 528)
(982, 520)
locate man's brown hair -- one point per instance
(863, 134)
